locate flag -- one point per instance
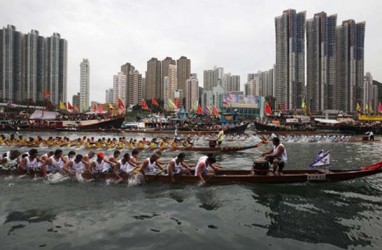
(120, 104)
(154, 102)
(380, 107)
(111, 106)
(322, 159)
(94, 107)
(70, 107)
(225, 101)
(371, 109)
(177, 102)
(144, 104)
(268, 109)
(171, 104)
(358, 107)
(215, 111)
(100, 109)
(76, 108)
(196, 104)
(367, 108)
(303, 105)
(62, 105)
(208, 110)
(46, 93)
(230, 96)
(199, 111)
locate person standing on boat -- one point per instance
(276, 156)
(177, 167)
(220, 136)
(371, 135)
(201, 169)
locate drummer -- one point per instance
(276, 156)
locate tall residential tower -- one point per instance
(84, 84)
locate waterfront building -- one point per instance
(134, 91)
(170, 82)
(127, 69)
(350, 41)
(84, 84)
(76, 100)
(208, 79)
(109, 96)
(184, 71)
(192, 92)
(290, 58)
(31, 65)
(119, 88)
(153, 82)
(321, 64)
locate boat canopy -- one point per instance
(43, 115)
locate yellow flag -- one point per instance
(367, 107)
(62, 105)
(371, 109)
(358, 107)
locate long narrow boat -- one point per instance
(288, 176)
(223, 149)
(248, 177)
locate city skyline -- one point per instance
(239, 44)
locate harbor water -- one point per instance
(36, 214)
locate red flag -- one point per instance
(94, 107)
(177, 102)
(144, 104)
(69, 107)
(120, 104)
(200, 110)
(225, 101)
(215, 111)
(154, 102)
(100, 109)
(46, 93)
(230, 96)
(76, 108)
(268, 109)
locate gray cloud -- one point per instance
(238, 35)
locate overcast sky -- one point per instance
(238, 35)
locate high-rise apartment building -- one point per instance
(134, 92)
(184, 71)
(119, 88)
(127, 69)
(208, 79)
(321, 67)
(84, 84)
(165, 65)
(31, 65)
(233, 83)
(153, 82)
(290, 58)
(350, 40)
(370, 95)
(192, 91)
(109, 96)
(170, 82)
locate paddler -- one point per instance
(101, 164)
(115, 158)
(177, 167)
(201, 169)
(10, 160)
(276, 156)
(55, 163)
(76, 166)
(151, 165)
(30, 163)
(124, 166)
